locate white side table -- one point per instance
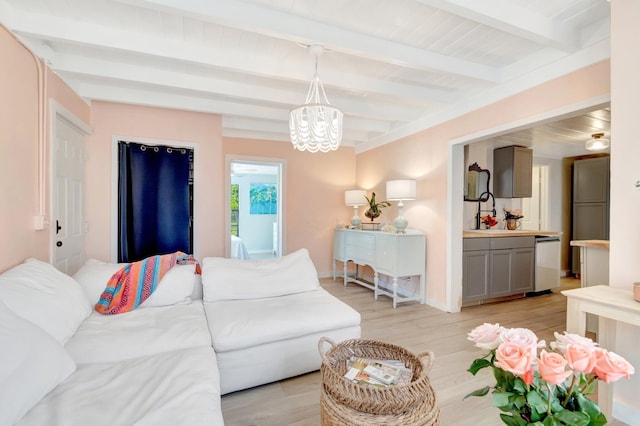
(611, 304)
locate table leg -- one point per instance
(344, 273)
(576, 318)
(395, 291)
(375, 285)
(606, 339)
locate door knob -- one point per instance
(59, 243)
(58, 228)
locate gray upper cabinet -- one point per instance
(512, 171)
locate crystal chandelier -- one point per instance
(316, 125)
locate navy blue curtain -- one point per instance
(155, 186)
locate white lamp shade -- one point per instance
(355, 197)
(401, 189)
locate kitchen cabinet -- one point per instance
(497, 267)
(590, 219)
(512, 172)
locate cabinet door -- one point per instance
(523, 172)
(522, 270)
(591, 180)
(500, 273)
(475, 275)
(512, 172)
(386, 254)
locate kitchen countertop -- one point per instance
(590, 243)
(498, 233)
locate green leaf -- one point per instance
(479, 392)
(551, 421)
(512, 420)
(573, 418)
(536, 400)
(520, 401)
(500, 399)
(591, 409)
(520, 386)
(477, 365)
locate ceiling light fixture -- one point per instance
(597, 142)
(316, 125)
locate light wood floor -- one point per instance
(418, 328)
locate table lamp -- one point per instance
(355, 198)
(401, 190)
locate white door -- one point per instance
(534, 209)
(68, 197)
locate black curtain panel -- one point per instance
(154, 200)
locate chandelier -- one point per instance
(316, 125)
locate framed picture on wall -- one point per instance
(263, 198)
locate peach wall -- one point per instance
(113, 119)
(19, 121)
(625, 197)
(424, 156)
(314, 191)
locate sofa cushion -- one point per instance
(173, 388)
(50, 299)
(175, 287)
(238, 324)
(141, 332)
(33, 363)
(230, 279)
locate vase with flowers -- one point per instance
(375, 207)
(511, 218)
(489, 221)
(546, 388)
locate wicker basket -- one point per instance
(346, 403)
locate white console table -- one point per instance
(611, 305)
(395, 255)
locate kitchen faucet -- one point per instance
(493, 210)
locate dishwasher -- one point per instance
(547, 274)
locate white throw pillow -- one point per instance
(50, 299)
(93, 277)
(175, 287)
(33, 363)
(228, 279)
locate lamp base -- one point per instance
(400, 223)
(356, 221)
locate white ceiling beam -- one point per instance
(105, 90)
(506, 16)
(286, 26)
(243, 91)
(64, 30)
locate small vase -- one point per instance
(512, 224)
(371, 214)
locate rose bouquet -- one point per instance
(548, 388)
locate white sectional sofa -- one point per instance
(169, 361)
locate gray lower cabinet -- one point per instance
(497, 267)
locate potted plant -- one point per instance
(375, 208)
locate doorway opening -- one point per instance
(254, 208)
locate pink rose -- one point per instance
(580, 358)
(611, 367)
(568, 338)
(552, 367)
(486, 336)
(523, 337)
(514, 358)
